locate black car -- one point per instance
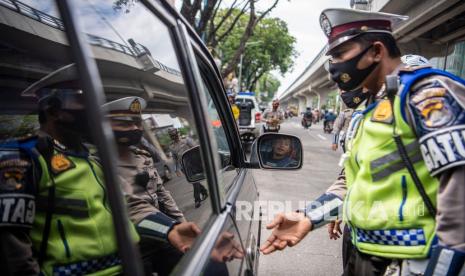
(145, 49)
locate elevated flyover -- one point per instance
(30, 35)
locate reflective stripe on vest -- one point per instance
(87, 267)
(402, 237)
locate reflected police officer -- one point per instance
(177, 147)
(161, 225)
(55, 217)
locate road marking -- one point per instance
(322, 137)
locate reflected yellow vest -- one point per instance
(383, 208)
(81, 231)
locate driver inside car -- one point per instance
(281, 155)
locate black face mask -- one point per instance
(352, 99)
(128, 137)
(78, 125)
(346, 74)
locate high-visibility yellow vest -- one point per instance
(82, 238)
(383, 207)
(235, 110)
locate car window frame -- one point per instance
(197, 257)
(185, 40)
(214, 83)
(91, 82)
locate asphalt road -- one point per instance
(316, 254)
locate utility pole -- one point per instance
(240, 61)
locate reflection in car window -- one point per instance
(149, 111)
(227, 172)
(50, 176)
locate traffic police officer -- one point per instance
(55, 217)
(151, 207)
(273, 118)
(404, 164)
(340, 127)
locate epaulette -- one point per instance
(409, 68)
(139, 151)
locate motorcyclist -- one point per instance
(307, 118)
(329, 119)
(273, 118)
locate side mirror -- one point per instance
(192, 165)
(278, 151)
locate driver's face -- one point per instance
(282, 147)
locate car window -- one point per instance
(227, 171)
(250, 102)
(23, 63)
(46, 157)
(137, 61)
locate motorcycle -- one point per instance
(272, 126)
(328, 126)
(306, 122)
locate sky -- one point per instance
(302, 17)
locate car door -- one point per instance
(140, 51)
(236, 181)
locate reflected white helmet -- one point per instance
(415, 60)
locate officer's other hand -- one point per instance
(334, 229)
(334, 147)
(178, 173)
(288, 230)
(182, 235)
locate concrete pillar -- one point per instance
(309, 99)
(302, 102)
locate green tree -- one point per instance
(267, 85)
(271, 47)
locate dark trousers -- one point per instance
(357, 263)
(198, 190)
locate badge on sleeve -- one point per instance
(61, 163)
(383, 112)
(13, 174)
(433, 107)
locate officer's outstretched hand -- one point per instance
(288, 230)
(182, 235)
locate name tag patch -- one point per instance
(443, 149)
(17, 210)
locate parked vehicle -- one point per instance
(166, 64)
(249, 118)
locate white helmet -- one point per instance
(415, 60)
